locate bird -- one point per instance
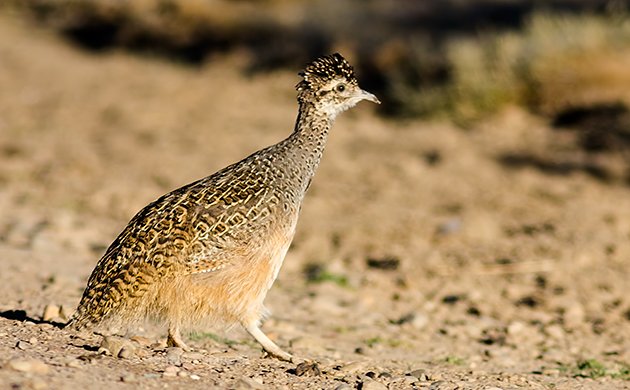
(208, 252)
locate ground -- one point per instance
(423, 259)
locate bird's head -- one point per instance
(329, 83)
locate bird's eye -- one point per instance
(340, 88)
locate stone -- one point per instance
(129, 378)
(419, 374)
(171, 371)
(307, 369)
(194, 356)
(174, 356)
(23, 345)
(73, 363)
(195, 377)
(373, 385)
(51, 312)
(353, 367)
(30, 365)
(117, 347)
(248, 383)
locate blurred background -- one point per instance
(479, 219)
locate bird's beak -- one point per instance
(365, 95)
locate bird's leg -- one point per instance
(268, 345)
(174, 338)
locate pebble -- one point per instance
(126, 352)
(555, 331)
(437, 385)
(74, 363)
(117, 346)
(419, 374)
(174, 356)
(248, 383)
(194, 356)
(353, 367)
(493, 388)
(195, 377)
(515, 328)
(373, 385)
(23, 345)
(51, 312)
(574, 316)
(343, 386)
(31, 365)
(171, 371)
(129, 378)
(307, 369)
(141, 340)
(38, 384)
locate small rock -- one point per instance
(353, 367)
(385, 375)
(437, 385)
(515, 328)
(573, 316)
(385, 263)
(31, 365)
(174, 355)
(451, 226)
(193, 356)
(142, 341)
(32, 341)
(344, 386)
(117, 346)
(23, 345)
(419, 374)
(51, 312)
(182, 374)
(171, 371)
(126, 352)
(493, 388)
(129, 378)
(248, 383)
(307, 369)
(38, 384)
(373, 385)
(555, 331)
(73, 363)
(195, 377)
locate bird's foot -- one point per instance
(175, 340)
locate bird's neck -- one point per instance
(304, 147)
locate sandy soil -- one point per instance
(421, 261)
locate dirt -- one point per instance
(422, 259)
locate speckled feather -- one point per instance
(210, 251)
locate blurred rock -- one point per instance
(307, 369)
(573, 315)
(388, 263)
(51, 312)
(174, 356)
(373, 385)
(248, 383)
(171, 371)
(354, 367)
(117, 347)
(31, 365)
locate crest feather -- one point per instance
(324, 69)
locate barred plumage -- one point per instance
(210, 251)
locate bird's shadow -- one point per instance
(21, 316)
